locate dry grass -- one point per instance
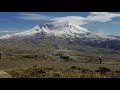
(46, 72)
(4, 74)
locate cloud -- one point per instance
(7, 31)
(115, 22)
(31, 16)
(56, 20)
(4, 32)
(92, 17)
(101, 16)
(80, 20)
(11, 30)
(101, 31)
(69, 19)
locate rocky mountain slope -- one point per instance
(64, 35)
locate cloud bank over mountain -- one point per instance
(79, 20)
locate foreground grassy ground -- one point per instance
(32, 68)
(46, 72)
(11, 64)
(24, 65)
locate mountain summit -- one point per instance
(67, 30)
(65, 34)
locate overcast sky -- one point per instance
(100, 22)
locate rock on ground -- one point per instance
(4, 74)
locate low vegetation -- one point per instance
(46, 72)
(22, 63)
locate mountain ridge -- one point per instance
(68, 29)
(67, 34)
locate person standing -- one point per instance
(100, 59)
(36, 55)
(68, 57)
(0, 55)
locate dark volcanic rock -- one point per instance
(103, 70)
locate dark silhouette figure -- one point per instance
(100, 59)
(68, 58)
(0, 55)
(36, 55)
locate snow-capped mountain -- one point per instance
(68, 33)
(65, 30)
